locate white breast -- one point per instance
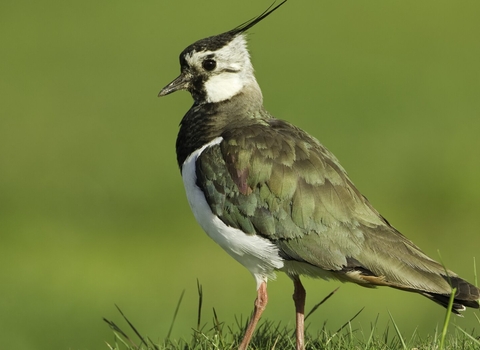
(257, 254)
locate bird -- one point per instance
(275, 199)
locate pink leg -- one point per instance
(260, 304)
(299, 299)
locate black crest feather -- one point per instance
(216, 42)
(250, 23)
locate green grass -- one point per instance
(270, 335)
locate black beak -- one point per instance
(180, 83)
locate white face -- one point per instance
(232, 73)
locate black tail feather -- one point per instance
(467, 295)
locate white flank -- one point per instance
(257, 254)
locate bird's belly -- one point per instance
(257, 254)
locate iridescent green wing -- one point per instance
(274, 180)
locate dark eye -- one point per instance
(209, 64)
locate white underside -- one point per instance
(257, 254)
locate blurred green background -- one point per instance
(92, 207)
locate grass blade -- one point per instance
(344, 325)
(132, 327)
(468, 335)
(120, 336)
(320, 303)
(350, 320)
(372, 332)
(397, 330)
(475, 272)
(175, 315)
(200, 302)
(447, 318)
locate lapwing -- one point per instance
(275, 199)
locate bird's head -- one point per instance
(217, 68)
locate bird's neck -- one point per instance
(206, 121)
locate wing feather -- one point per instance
(274, 180)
